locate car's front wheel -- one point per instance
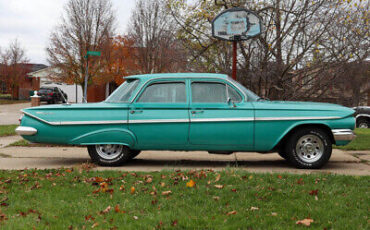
(363, 123)
(309, 148)
(109, 154)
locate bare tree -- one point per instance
(13, 61)
(87, 25)
(156, 46)
(299, 53)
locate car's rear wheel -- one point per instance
(363, 123)
(309, 148)
(109, 154)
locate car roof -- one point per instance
(177, 75)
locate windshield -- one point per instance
(123, 93)
(250, 95)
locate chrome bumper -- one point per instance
(343, 134)
(25, 131)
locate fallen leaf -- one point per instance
(219, 186)
(316, 198)
(250, 177)
(4, 204)
(313, 192)
(98, 179)
(117, 209)
(68, 170)
(106, 210)
(149, 180)
(218, 177)
(122, 188)
(273, 214)
(190, 184)
(306, 222)
(132, 190)
(216, 198)
(163, 184)
(135, 217)
(166, 193)
(300, 181)
(232, 213)
(233, 190)
(280, 177)
(95, 225)
(254, 208)
(174, 223)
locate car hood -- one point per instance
(309, 107)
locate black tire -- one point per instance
(120, 157)
(362, 123)
(309, 148)
(134, 153)
(282, 153)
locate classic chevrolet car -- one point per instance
(191, 111)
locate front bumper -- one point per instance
(343, 134)
(25, 131)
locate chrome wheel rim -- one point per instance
(109, 152)
(309, 148)
(363, 125)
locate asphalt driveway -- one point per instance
(341, 162)
(10, 113)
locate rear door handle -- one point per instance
(197, 111)
(136, 111)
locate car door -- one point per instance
(220, 116)
(159, 116)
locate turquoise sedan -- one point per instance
(192, 111)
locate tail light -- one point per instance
(20, 118)
(50, 94)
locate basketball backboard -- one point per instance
(236, 24)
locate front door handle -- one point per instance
(136, 111)
(197, 111)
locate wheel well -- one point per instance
(320, 126)
(363, 117)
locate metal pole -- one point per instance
(76, 90)
(86, 78)
(234, 59)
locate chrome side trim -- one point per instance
(293, 118)
(158, 121)
(77, 122)
(362, 115)
(343, 134)
(221, 119)
(92, 122)
(25, 131)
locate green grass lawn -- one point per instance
(7, 130)
(231, 199)
(362, 141)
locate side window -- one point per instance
(208, 92)
(170, 92)
(233, 94)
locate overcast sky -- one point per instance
(31, 21)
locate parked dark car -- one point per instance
(52, 95)
(362, 116)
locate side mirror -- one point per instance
(231, 102)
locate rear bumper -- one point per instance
(25, 131)
(343, 134)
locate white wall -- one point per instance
(70, 90)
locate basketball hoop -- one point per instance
(236, 24)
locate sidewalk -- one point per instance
(341, 162)
(10, 113)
